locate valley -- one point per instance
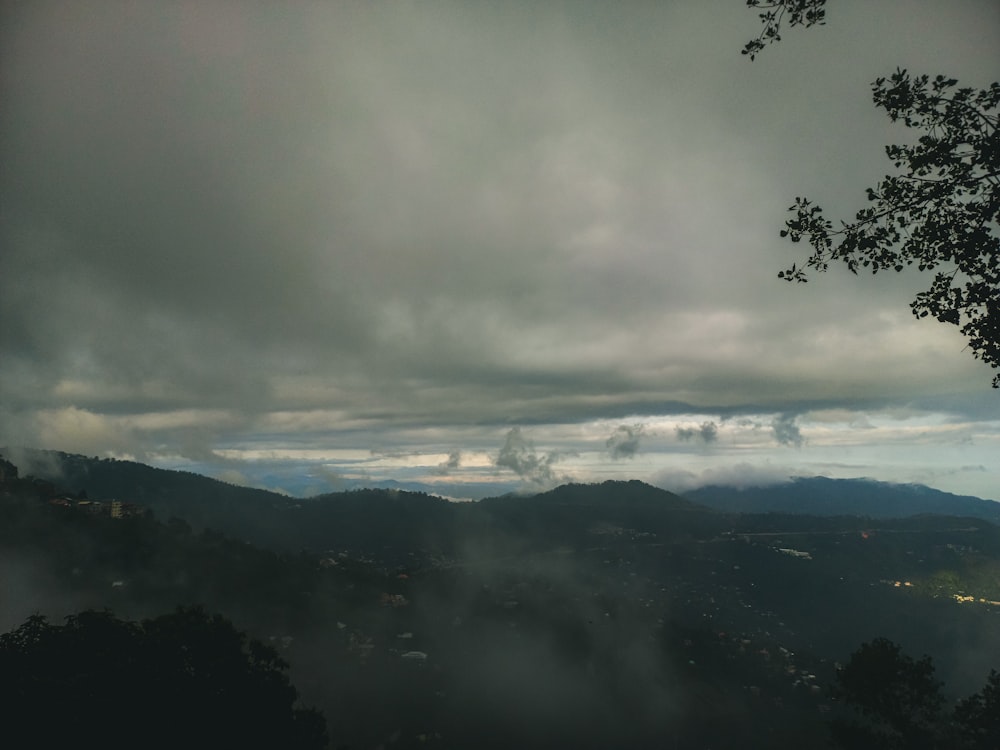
(586, 616)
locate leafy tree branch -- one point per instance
(803, 13)
(940, 212)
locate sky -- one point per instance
(472, 247)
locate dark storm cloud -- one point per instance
(707, 431)
(786, 431)
(518, 454)
(624, 441)
(227, 224)
(148, 152)
(453, 461)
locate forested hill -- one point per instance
(821, 496)
(631, 494)
(395, 525)
(391, 524)
(425, 623)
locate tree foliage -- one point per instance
(898, 705)
(978, 716)
(898, 698)
(803, 13)
(185, 679)
(940, 212)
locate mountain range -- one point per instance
(205, 501)
(822, 496)
(612, 614)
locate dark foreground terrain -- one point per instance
(613, 615)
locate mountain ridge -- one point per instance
(272, 519)
(825, 496)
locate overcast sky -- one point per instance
(475, 245)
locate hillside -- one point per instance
(453, 624)
(388, 524)
(821, 496)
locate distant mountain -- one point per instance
(365, 519)
(821, 496)
(196, 498)
(396, 526)
(388, 524)
(609, 494)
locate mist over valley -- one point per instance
(589, 615)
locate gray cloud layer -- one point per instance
(228, 221)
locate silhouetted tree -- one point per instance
(898, 701)
(898, 705)
(940, 213)
(185, 679)
(978, 716)
(804, 13)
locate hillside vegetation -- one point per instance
(592, 615)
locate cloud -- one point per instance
(31, 462)
(88, 432)
(518, 454)
(624, 441)
(786, 431)
(707, 431)
(740, 475)
(413, 267)
(453, 461)
(344, 227)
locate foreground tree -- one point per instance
(185, 679)
(896, 698)
(894, 703)
(978, 716)
(940, 213)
